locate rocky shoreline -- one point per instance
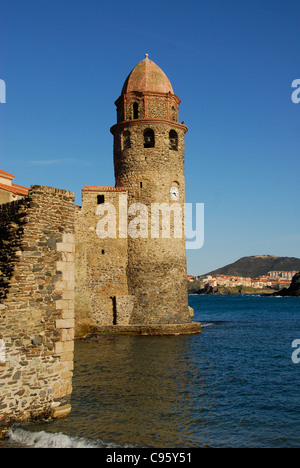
(293, 290)
(236, 290)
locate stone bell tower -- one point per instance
(149, 163)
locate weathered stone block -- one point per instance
(65, 247)
(64, 323)
(64, 347)
(61, 411)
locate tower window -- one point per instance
(126, 140)
(173, 140)
(149, 140)
(141, 184)
(173, 114)
(135, 110)
(103, 252)
(100, 199)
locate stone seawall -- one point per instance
(37, 251)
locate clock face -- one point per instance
(174, 193)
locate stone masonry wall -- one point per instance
(37, 252)
(156, 266)
(101, 290)
(150, 105)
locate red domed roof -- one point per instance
(147, 76)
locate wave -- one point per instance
(42, 439)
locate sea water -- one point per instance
(233, 385)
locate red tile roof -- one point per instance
(14, 188)
(7, 175)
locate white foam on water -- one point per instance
(42, 439)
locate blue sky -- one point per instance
(231, 62)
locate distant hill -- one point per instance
(258, 265)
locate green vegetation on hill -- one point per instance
(258, 265)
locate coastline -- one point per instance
(236, 290)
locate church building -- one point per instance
(132, 276)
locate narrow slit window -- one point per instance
(103, 252)
(141, 184)
(114, 304)
(135, 110)
(100, 199)
(173, 114)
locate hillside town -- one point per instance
(274, 280)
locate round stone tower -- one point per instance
(149, 162)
